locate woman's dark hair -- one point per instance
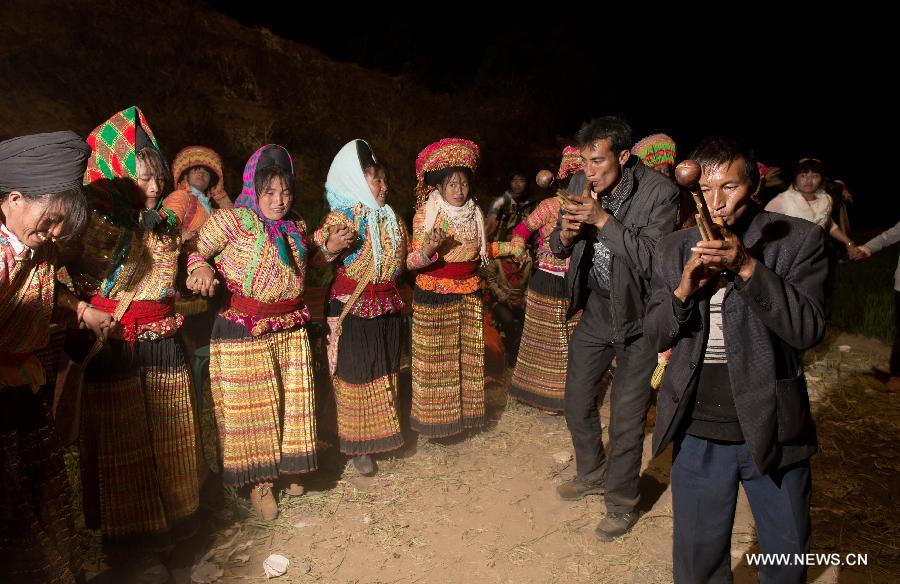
(440, 177)
(264, 177)
(367, 159)
(717, 151)
(151, 157)
(516, 173)
(70, 204)
(611, 128)
(810, 165)
(213, 177)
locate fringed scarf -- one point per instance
(467, 220)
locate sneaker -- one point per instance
(262, 499)
(615, 525)
(576, 489)
(364, 465)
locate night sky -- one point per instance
(786, 96)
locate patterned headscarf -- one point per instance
(200, 156)
(656, 150)
(112, 169)
(446, 153)
(114, 146)
(276, 230)
(570, 163)
(346, 187)
(111, 187)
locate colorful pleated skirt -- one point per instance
(38, 541)
(447, 363)
(539, 377)
(139, 448)
(365, 382)
(262, 388)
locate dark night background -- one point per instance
(788, 90)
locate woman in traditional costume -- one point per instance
(138, 443)
(362, 231)
(448, 245)
(40, 202)
(539, 377)
(260, 361)
(199, 181)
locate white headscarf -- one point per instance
(346, 187)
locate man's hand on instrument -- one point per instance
(726, 254)
(203, 282)
(696, 275)
(587, 210)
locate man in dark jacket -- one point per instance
(610, 237)
(738, 312)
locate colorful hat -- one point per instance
(114, 146)
(656, 150)
(571, 162)
(200, 156)
(446, 153)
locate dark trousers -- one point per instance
(895, 351)
(705, 478)
(590, 354)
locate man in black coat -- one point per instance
(739, 313)
(610, 237)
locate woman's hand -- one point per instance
(433, 241)
(203, 282)
(340, 238)
(98, 322)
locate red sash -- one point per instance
(453, 270)
(259, 309)
(344, 286)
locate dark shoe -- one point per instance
(364, 465)
(615, 525)
(576, 489)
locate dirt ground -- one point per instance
(483, 508)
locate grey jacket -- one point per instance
(768, 322)
(646, 216)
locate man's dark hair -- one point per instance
(716, 151)
(611, 128)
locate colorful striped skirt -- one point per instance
(447, 363)
(539, 378)
(139, 449)
(365, 382)
(38, 541)
(262, 388)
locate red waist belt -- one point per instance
(453, 270)
(344, 286)
(263, 309)
(139, 312)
